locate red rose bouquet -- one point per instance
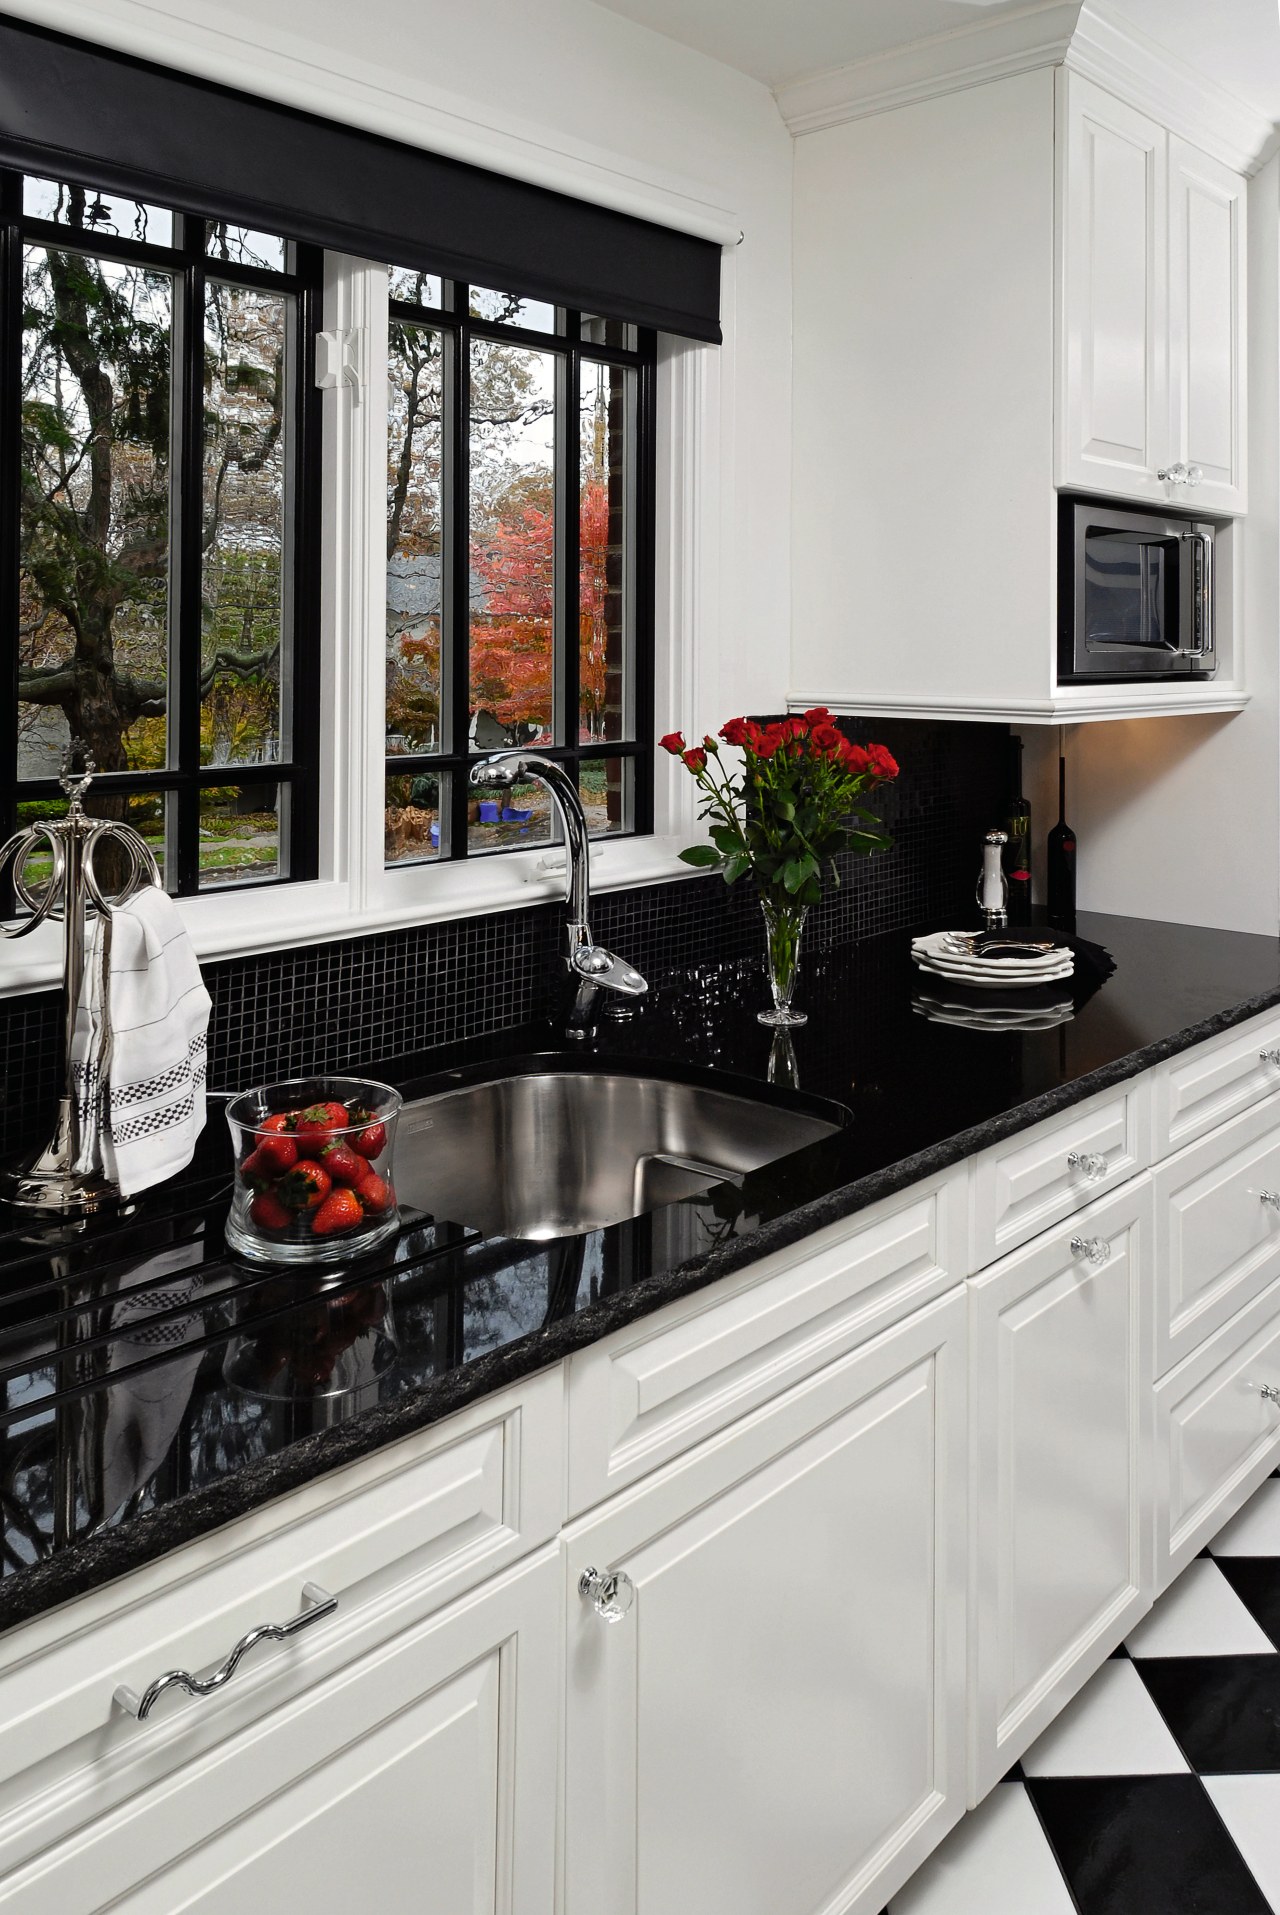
(795, 805)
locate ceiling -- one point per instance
(782, 40)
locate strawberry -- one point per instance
(342, 1163)
(275, 1153)
(305, 1187)
(370, 1141)
(268, 1213)
(374, 1192)
(284, 1120)
(339, 1211)
(316, 1126)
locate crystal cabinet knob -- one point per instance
(1194, 475)
(1179, 474)
(1271, 1198)
(1269, 1393)
(1090, 1163)
(610, 1593)
(1094, 1250)
(1270, 1057)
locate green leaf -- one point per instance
(736, 867)
(701, 854)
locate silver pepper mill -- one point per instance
(993, 887)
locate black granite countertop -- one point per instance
(154, 1388)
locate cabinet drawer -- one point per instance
(1216, 1435)
(1034, 1180)
(1213, 1081)
(1217, 1239)
(641, 1396)
(401, 1532)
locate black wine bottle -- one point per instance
(1062, 863)
(1017, 852)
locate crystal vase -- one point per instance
(783, 928)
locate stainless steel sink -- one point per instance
(554, 1153)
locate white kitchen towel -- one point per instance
(156, 1064)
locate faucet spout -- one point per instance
(591, 965)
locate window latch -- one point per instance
(338, 361)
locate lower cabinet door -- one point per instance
(419, 1781)
(1060, 1344)
(775, 1724)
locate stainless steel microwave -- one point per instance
(1135, 594)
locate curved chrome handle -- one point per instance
(1094, 1250)
(319, 1605)
(1271, 1056)
(1269, 1393)
(611, 1594)
(1090, 1163)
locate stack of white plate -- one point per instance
(949, 954)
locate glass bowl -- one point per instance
(313, 1177)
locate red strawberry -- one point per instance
(374, 1192)
(339, 1211)
(371, 1141)
(274, 1154)
(316, 1127)
(269, 1213)
(342, 1163)
(283, 1120)
(305, 1187)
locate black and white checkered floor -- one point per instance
(1157, 1791)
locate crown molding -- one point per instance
(1118, 56)
(1033, 36)
(1081, 34)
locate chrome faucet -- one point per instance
(592, 968)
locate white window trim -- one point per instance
(354, 894)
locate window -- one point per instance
(159, 554)
(519, 565)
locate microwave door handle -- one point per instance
(1201, 598)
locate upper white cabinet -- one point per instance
(1208, 409)
(1113, 409)
(1003, 292)
(1152, 388)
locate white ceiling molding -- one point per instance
(1082, 34)
(1121, 58)
(1034, 36)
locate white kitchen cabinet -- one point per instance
(1061, 1389)
(1112, 413)
(1002, 292)
(776, 1725)
(1208, 400)
(1151, 323)
(420, 1777)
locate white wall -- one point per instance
(580, 98)
(1179, 818)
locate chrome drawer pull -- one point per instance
(1269, 1393)
(1272, 1056)
(1090, 1163)
(1094, 1250)
(610, 1595)
(1271, 1198)
(319, 1605)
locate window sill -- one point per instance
(247, 923)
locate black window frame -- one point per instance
(297, 777)
(458, 325)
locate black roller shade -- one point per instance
(73, 111)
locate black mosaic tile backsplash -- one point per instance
(351, 1003)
